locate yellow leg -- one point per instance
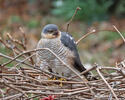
(61, 79)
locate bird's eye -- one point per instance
(50, 31)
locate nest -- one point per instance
(25, 81)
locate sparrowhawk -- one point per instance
(64, 46)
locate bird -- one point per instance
(64, 46)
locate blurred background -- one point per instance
(105, 47)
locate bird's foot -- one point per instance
(61, 79)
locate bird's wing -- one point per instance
(69, 42)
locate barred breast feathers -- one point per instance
(57, 47)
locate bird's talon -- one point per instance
(61, 79)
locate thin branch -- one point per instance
(23, 43)
(14, 97)
(78, 8)
(84, 79)
(84, 36)
(24, 36)
(119, 33)
(11, 86)
(58, 93)
(84, 72)
(24, 60)
(107, 83)
(35, 68)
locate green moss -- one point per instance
(33, 23)
(108, 35)
(15, 19)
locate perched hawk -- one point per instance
(64, 46)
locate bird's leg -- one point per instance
(58, 78)
(52, 78)
(61, 79)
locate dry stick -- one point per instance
(119, 33)
(120, 71)
(24, 42)
(84, 36)
(24, 60)
(12, 46)
(42, 81)
(2, 93)
(51, 89)
(78, 8)
(47, 81)
(14, 40)
(7, 46)
(10, 86)
(28, 84)
(36, 96)
(84, 72)
(57, 93)
(4, 43)
(21, 44)
(84, 79)
(35, 68)
(17, 60)
(24, 35)
(107, 83)
(14, 97)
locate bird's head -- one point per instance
(50, 31)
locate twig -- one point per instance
(23, 43)
(39, 50)
(119, 33)
(35, 68)
(58, 93)
(107, 83)
(24, 36)
(84, 36)
(33, 97)
(121, 70)
(9, 47)
(15, 40)
(78, 8)
(84, 79)
(19, 90)
(84, 72)
(2, 92)
(14, 97)
(24, 60)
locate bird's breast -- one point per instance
(55, 46)
(60, 50)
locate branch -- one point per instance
(84, 36)
(83, 79)
(14, 97)
(107, 83)
(78, 8)
(35, 68)
(119, 33)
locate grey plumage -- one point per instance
(63, 45)
(49, 61)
